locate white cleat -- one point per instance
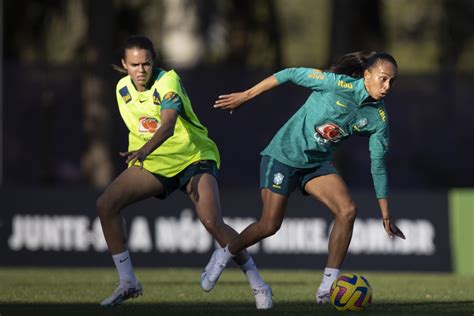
(123, 292)
(322, 297)
(205, 284)
(263, 297)
(214, 269)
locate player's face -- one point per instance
(380, 78)
(139, 66)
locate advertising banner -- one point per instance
(60, 227)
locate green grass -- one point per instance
(66, 291)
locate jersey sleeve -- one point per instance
(173, 101)
(310, 78)
(171, 90)
(378, 146)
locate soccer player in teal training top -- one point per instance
(346, 100)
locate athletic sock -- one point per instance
(329, 276)
(227, 254)
(123, 263)
(251, 272)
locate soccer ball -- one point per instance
(350, 292)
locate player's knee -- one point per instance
(213, 225)
(348, 212)
(103, 207)
(269, 227)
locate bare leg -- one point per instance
(204, 192)
(130, 186)
(332, 192)
(274, 207)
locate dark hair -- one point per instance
(354, 64)
(136, 41)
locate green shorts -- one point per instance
(181, 179)
(283, 179)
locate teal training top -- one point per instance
(338, 107)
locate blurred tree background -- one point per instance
(61, 125)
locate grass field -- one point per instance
(47, 291)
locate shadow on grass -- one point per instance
(209, 309)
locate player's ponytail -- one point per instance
(354, 64)
(136, 41)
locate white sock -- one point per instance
(251, 272)
(329, 276)
(227, 254)
(123, 263)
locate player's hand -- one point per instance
(392, 229)
(230, 101)
(134, 156)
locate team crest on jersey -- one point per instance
(278, 178)
(147, 124)
(360, 124)
(156, 98)
(125, 94)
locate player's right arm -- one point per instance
(234, 100)
(311, 78)
(306, 77)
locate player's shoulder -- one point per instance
(123, 82)
(124, 89)
(169, 75)
(165, 79)
(345, 82)
(380, 112)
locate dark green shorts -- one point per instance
(283, 179)
(181, 179)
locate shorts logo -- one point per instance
(278, 179)
(148, 124)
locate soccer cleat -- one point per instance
(205, 284)
(322, 297)
(123, 292)
(263, 297)
(214, 269)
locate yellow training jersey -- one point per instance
(141, 113)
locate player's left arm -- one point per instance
(170, 109)
(388, 223)
(378, 145)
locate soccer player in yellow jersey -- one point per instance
(168, 149)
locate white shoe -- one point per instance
(123, 292)
(214, 269)
(263, 297)
(205, 284)
(322, 297)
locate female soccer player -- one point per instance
(347, 100)
(168, 149)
